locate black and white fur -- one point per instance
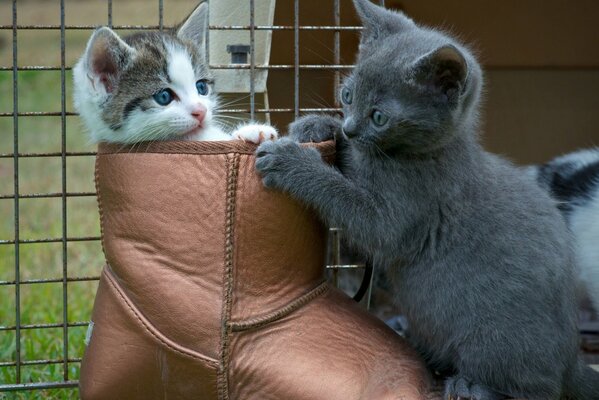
(573, 180)
(117, 78)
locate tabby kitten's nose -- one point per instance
(199, 113)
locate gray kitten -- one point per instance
(478, 253)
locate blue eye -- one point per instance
(202, 87)
(346, 95)
(379, 118)
(164, 97)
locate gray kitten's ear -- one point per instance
(195, 26)
(106, 56)
(443, 70)
(378, 21)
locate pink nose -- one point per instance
(199, 112)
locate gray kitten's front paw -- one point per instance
(279, 161)
(314, 128)
(460, 388)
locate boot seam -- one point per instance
(99, 201)
(149, 328)
(327, 149)
(254, 323)
(232, 163)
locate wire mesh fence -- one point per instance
(50, 254)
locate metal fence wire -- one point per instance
(44, 310)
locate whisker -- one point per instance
(230, 117)
(376, 146)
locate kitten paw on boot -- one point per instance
(460, 388)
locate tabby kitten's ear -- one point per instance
(106, 56)
(195, 26)
(378, 21)
(444, 71)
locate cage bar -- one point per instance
(296, 72)
(40, 362)
(39, 386)
(160, 14)
(63, 138)
(207, 47)
(337, 49)
(212, 27)
(17, 240)
(49, 280)
(51, 240)
(212, 66)
(45, 326)
(37, 155)
(109, 15)
(252, 60)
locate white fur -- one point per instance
(584, 223)
(255, 133)
(173, 121)
(583, 220)
(580, 158)
(183, 83)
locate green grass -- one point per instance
(39, 219)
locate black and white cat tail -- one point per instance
(583, 383)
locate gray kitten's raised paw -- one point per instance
(314, 128)
(278, 162)
(460, 388)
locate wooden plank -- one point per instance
(534, 115)
(512, 33)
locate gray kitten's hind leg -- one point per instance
(458, 388)
(315, 128)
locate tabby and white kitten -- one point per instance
(153, 86)
(478, 254)
(573, 180)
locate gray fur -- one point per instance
(478, 253)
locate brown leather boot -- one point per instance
(214, 289)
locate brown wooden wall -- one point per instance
(541, 59)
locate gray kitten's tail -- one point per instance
(583, 383)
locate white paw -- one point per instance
(255, 133)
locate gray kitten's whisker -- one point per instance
(319, 54)
(380, 151)
(319, 101)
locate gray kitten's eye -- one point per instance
(379, 118)
(346, 95)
